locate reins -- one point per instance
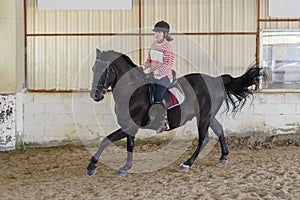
(131, 83)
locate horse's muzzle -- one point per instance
(97, 96)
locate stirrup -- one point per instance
(163, 127)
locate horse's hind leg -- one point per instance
(218, 130)
(115, 136)
(202, 140)
(130, 145)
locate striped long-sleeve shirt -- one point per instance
(160, 60)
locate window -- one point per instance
(280, 51)
(84, 5)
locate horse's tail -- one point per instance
(238, 89)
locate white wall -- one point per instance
(11, 69)
(7, 46)
(11, 46)
(268, 114)
(57, 118)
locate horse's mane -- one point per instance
(128, 60)
(125, 57)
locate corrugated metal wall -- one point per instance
(218, 37)
(61, 44)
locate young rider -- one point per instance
(160, 62)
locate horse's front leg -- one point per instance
(115, 136)
(130, 145)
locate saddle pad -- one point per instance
(176, 96)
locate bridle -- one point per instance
(107, 70)
(103, 86)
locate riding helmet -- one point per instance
(162, 26)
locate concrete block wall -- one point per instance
(57, 118)
(267, 114)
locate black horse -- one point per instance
(130, 88)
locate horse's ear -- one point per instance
(98, 53)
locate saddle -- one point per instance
(174, 95)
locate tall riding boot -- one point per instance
(164, 123)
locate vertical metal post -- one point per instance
(25, 44)
(257, 56)
(140, 32)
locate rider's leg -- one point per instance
(164, 123)
(161, 86)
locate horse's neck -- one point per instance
(127, 73)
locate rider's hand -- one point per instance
(149, 76)
(146, 70)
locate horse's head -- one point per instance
(103, 76)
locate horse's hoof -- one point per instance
(184, 168)
(91, 172)
(223, 162)
(122, 172)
